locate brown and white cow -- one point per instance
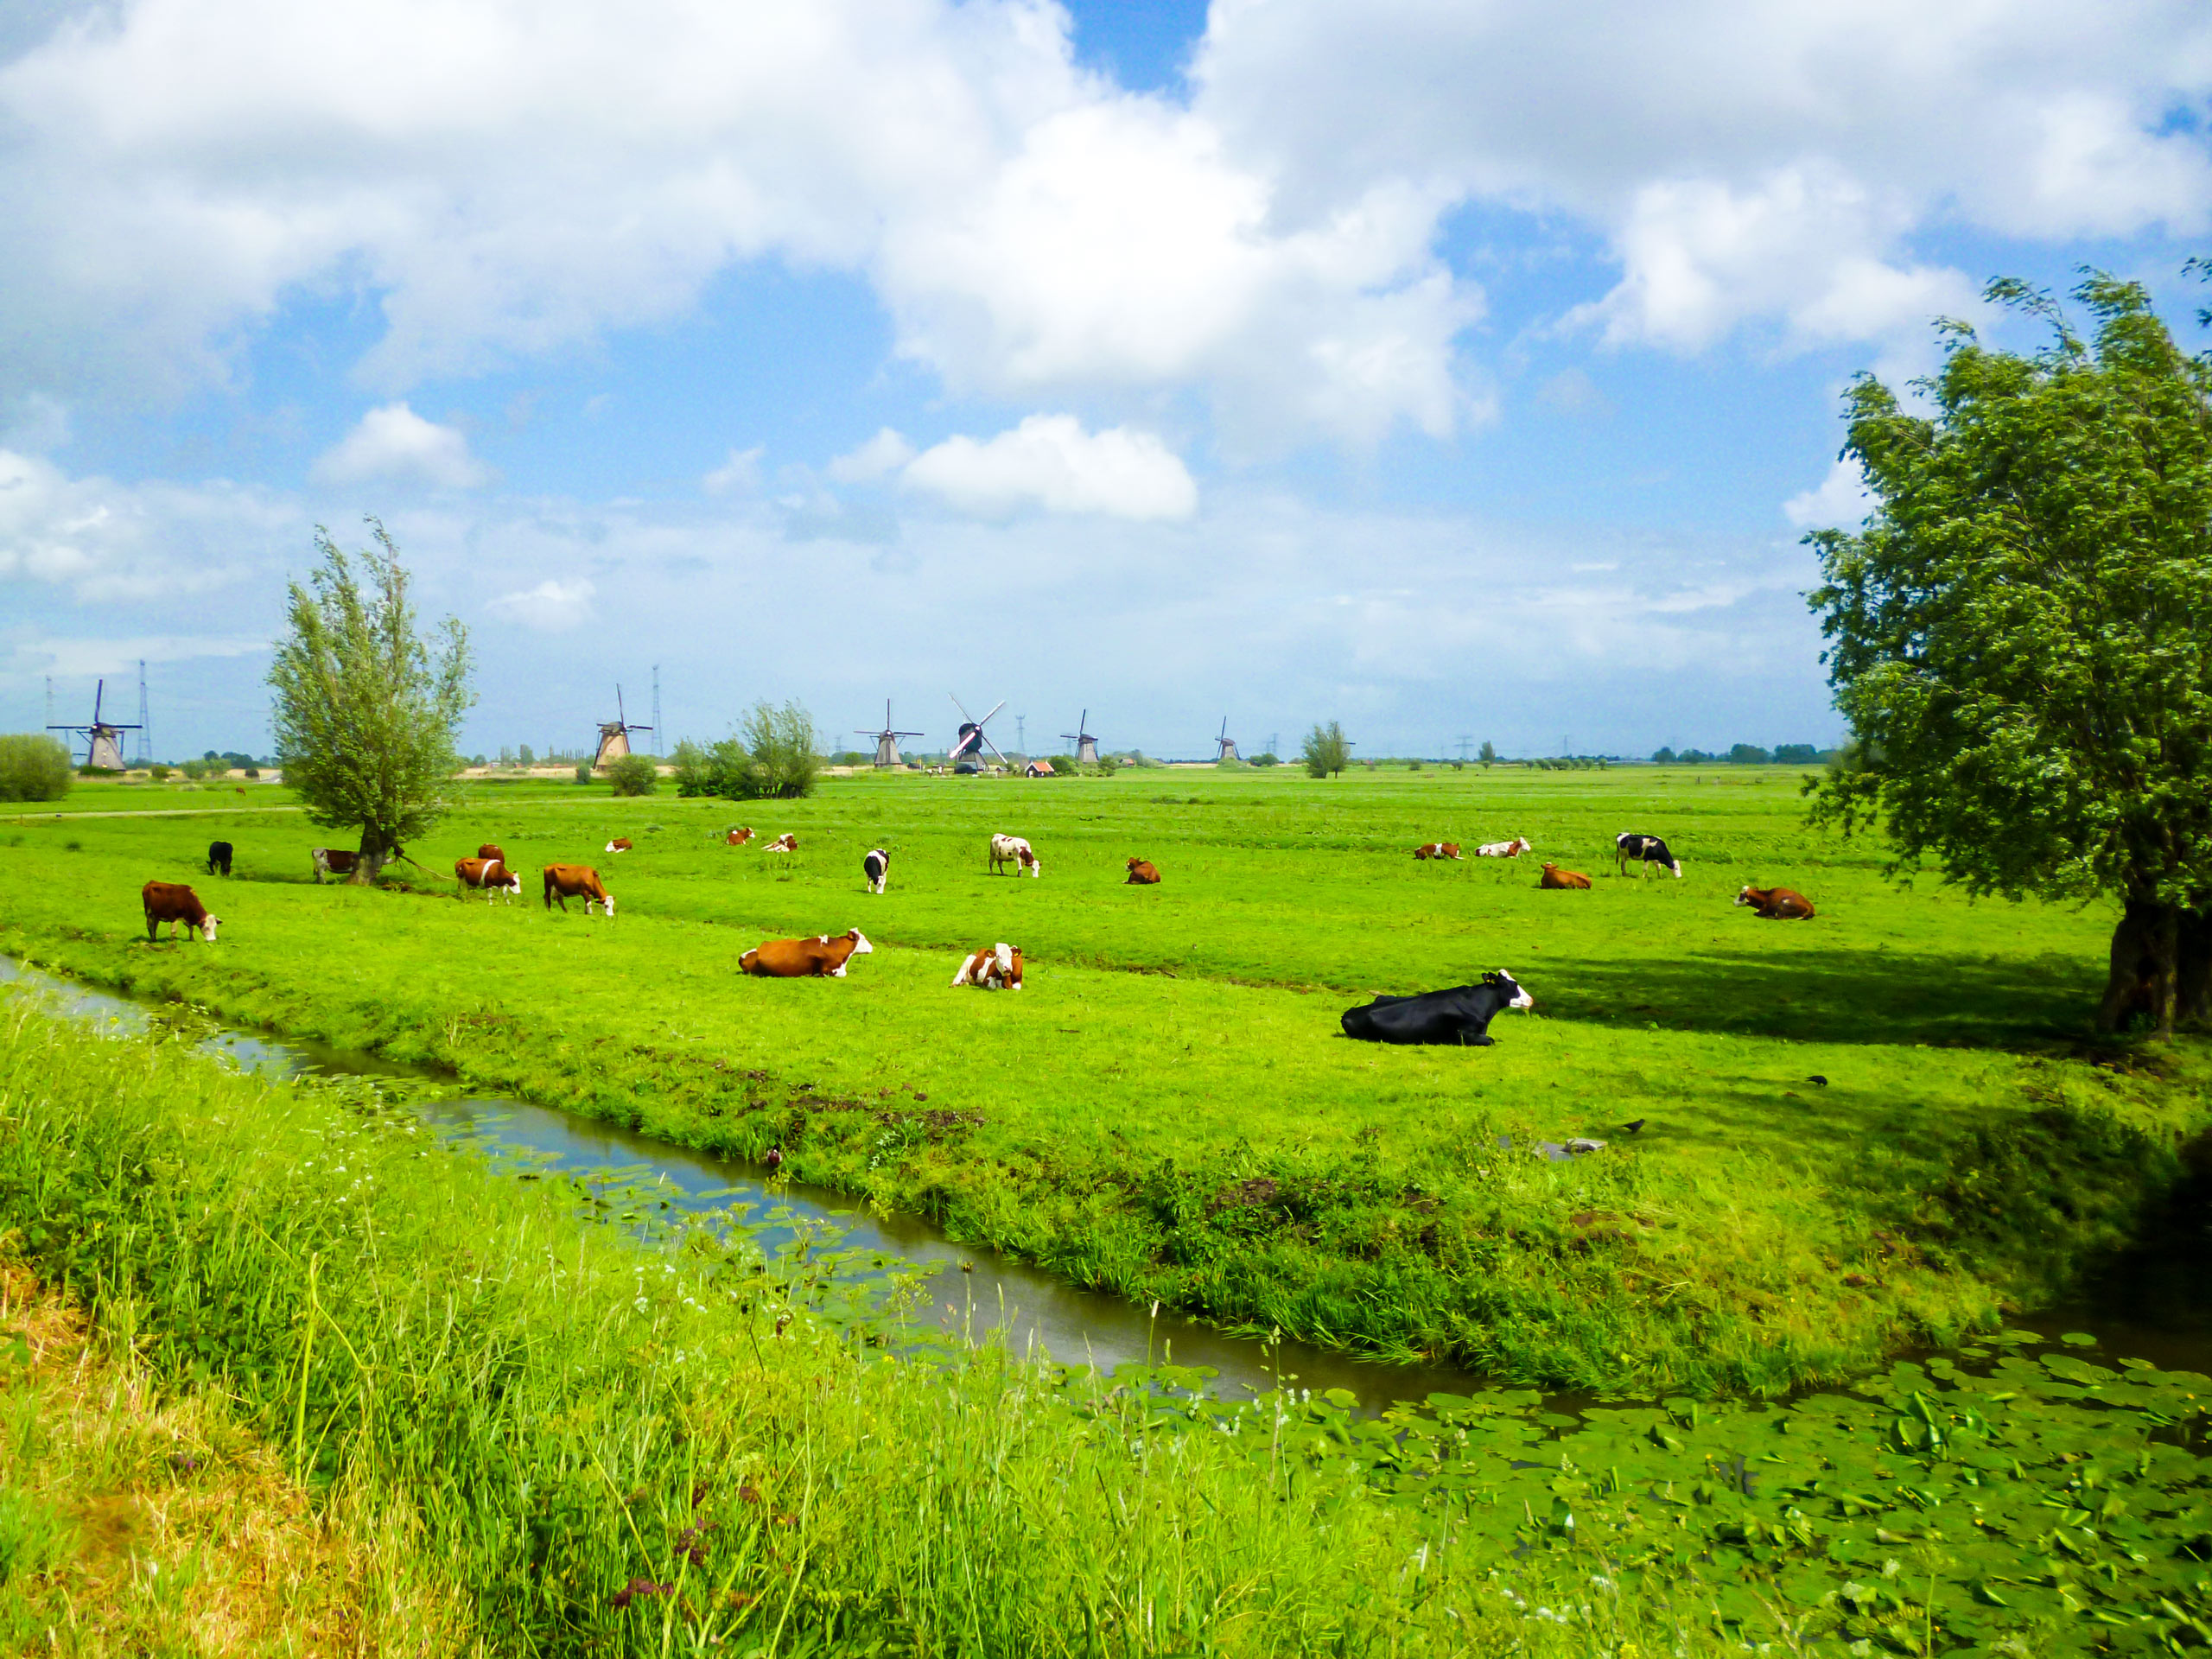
(1555, 877)
(490, 874)
(1013, 849)
(1512, 848)
(567, 881)
(820, 957)
(620, 844)
(1143, 873)
(740, 837)
(492, 849)
(997, 968)
(1438, 850)
(174, 902)
(786, 843)
(1777, 904)
(333, 861)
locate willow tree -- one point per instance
(2022, 632)
(367, 710)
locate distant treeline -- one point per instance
(1747, 754)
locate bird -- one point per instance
(1817, 1078)
(1631, 1128)
(775, 1158)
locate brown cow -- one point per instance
(1777, 904)
(820, 957)
(174, 902)
(1555, 877)
(1142, 873)
(996, 967)
(567, 881)
(1438, 850)
(785, 843)
(738, 837)
(333, 861)
(492, 849)
(489, 873)
(620, 844)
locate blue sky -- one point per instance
(1439, 369)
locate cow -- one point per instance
(820, 957)
(1438, 850)
(1512, 848)
(1143, 873)
(997, 969)
(786, 843)
(1013, 849)
(1777, 904)
(620, 844)
(174, 902)
(567, 881)
(491, 875)
(492, 849)
(1647, 851)
(1461, 1015)
(333, 861)
(218, 857)
(1556, 878)
(738, 837)
(876, 868)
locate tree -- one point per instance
(365, 712)
(1488, 755)
(634, 774)
(2023, 633)
(1748, 754)
(1326, 750)
(1662, 757)
(33, 767)
(781, 759)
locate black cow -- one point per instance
(1461, 1015)
(876, 867)
(218, 857)
(1648, 849)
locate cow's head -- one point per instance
(1515, 996)
(512, 883)
(610, 904)
(861, 946)
(207, 928)
(1745, 896)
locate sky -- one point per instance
(1459, 370)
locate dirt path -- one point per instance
(150, 813)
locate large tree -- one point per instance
(2022, 632)
(367, 710)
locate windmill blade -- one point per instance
(962, 707)
(992, 747)
(995, 707)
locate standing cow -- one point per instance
(490, 874)
(178, 905)
(876, 868)
(332, 861)
(1013, 849)
(492, 849)
(219, 854)
(567, 881)
(1644, 851)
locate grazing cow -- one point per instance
(620, 844)
(1777, 904)
(492, 849)
(820, 957)
(1647, 850)
(174, 902)
(1461, 1015)
(997, 969)
(1555, 877)
(491, 875)
(1438, 850)
(1143, 873)
(218, 857)
(738, 837)
(1512, 848)
(876, 867)
(567, 881)
(333, 861)
(786, 843)
(1013, 849)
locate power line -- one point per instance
(660, 737)
(145, 721)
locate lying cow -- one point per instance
(1461, 1015)
(785, 843)
(1777, 904)
(567, 881)
(492, 849)
(1438, 850)
(1512, 848)
(219, 854)
(820, 957)
(738, 837)
(1555, 877)
(490, 874)
(1013, 849)
(1645, 851)
(1142, 873)
(174, 902)
(876, 867)
(333, 861)
(998, 968)
(620, 844)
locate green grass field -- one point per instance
(1167, 1110)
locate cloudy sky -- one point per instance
(1442, 366)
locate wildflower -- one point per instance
(691, 1542)
(637, 1588)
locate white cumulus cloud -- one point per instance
(738, 475)
(392, 442)
(552, 606)
(881, 455)
(1050, 462)
(1839, 501)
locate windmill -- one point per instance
(973, 741)
(1228, 743)
(1086, 746)
(886, 741)
(103, 741)
(614, 736)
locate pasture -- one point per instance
(1167, 1110)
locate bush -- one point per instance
(1266, 759)
(1326, 750)
(253, 772)
(195, 770)
(583, 772)
(159, 775)
(1413, 765)
(777, 757)
(1107, 767)
(33, 767)
(634, 774)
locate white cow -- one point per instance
(1512, 848)
(1013, 849)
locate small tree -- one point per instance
(33, 767)
(366, 713)
(1488, 756)
(776, 755)
(634, 774)
(1326, 750)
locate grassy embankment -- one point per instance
(1167, 1111)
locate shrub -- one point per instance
(159, 775)
(1326, 750)
(1413, 765)
(583, 772)
(1266, 759)
(777, 756)
(1107, 767)
(634, 774)
(253, 772)
(33, 767)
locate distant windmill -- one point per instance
(614, 736)
(103, 742)
(886, 741)
(1228, 743)
(1086, 746)
(973, 741)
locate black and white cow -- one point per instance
(219, 854)
(1461, 1015)
(876, 867)
(1646, 850)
